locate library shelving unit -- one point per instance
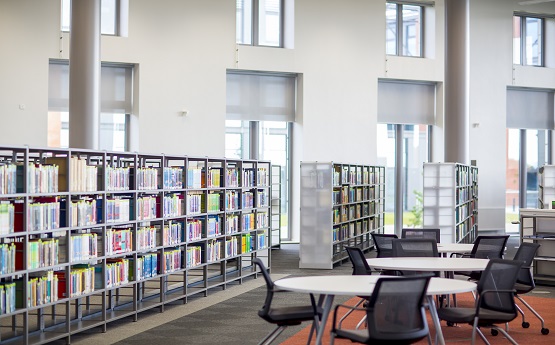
(450, 201)
(341, 205)
(546, 187)
(275, 218)
(89, 237)
(538, 226)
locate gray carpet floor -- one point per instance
(228, 316)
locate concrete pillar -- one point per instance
(84, 74)
(399, 180)
(456, 81)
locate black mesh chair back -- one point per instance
(421, 233)
(383, 244)
(525, 253)
(394, 313)
(496, 287)
(489, 247)
(287, 315)
(415, 247)
(360, 265)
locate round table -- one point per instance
(329, 286)
(444, 248)
(428, 264)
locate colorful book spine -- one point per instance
(170, 261)
(194, 256)
(214, 177)
(146, 208)
(117, 178)
(248, 179)
(7, 258)
(172, 233)
(247, 199)
(231, 200)
(83, 213)
(261, 240)
(261, 220)
(43, 216)
(147, 178)
(42, 178)
(117, 210)
(262, 198)
(8, 298)
(213, 203)
(213, 226)
(194, 229)
(214, 250)
(231, 247)
(246, 243)
(117, 272)
(262, 177)
(231, 177)
(118, 241)
(173, 205)
(7, 218)
(8, 179)
(42, 253)
(194, 203)
(173, 178)
(83, 247)
(194, 177)
(248, 222)
(232, 224)
(146, 237)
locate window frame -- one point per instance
(255, 25)
(522, 46)
(399, 27)
(117, 19)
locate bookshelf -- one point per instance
(538, 226)
(341, 205)
(89, 237)
(276, 207)
(546, 186)
(451, 201)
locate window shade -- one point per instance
(403, 102)
(260, 97)
(116, 85)
(530, 109)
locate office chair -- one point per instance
(485, 247)
(394, 314)
(285, 316)
(421, 233)
(525, 281)
(382, 242)
(360, 267)
(494, 303)
(415, 247)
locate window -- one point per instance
(259, 22)
(527, 41)
(116, 106)
(109, 15)
(404, 29)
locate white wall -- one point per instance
(183, 48)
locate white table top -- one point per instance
(429, 264)
(363, 285)
(454, 247)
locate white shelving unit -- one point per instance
(538, 226)
(451, 201)
(341, 205)
(546, 187)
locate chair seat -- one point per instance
(466, 315)
(362, 336)
(293, 315)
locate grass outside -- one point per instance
(408, 218)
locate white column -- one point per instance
(84, 74)
(456, 81)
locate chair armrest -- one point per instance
(479, 299)
(342, 306)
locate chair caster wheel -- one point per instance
(545, 331)
(525, 324)
(494, 332)
(450, 324)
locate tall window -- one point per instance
(528, 41)
(404, 29)
(109, 16)
(116, 106)
(259, 22)
(260, 109)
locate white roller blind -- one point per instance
(403, 102)
(116, 85)
(260, 97)
(530, 109)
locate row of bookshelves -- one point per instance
(84, 225)
(51, 176)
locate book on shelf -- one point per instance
(82, 177)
